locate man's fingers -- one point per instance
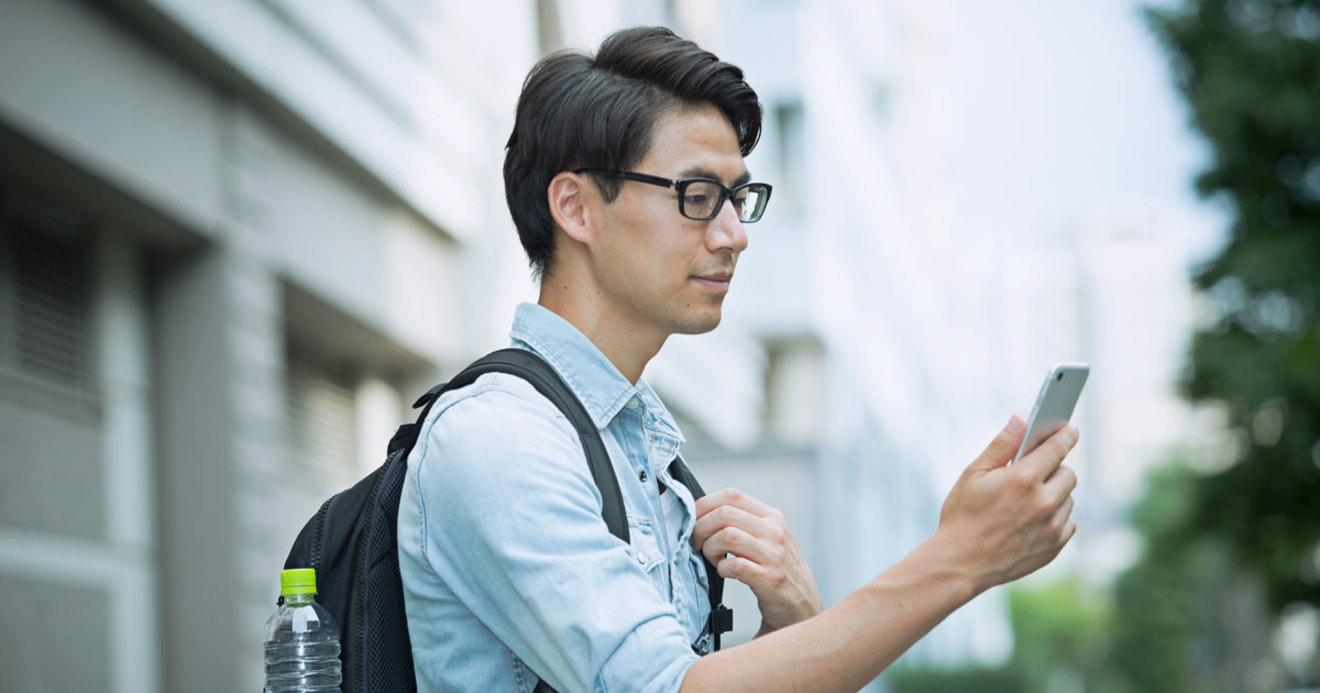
(738, 568)
(1062, 481)
(1069, 529)
(732, 540)
(735, 498)
(1000, 451)
(1044, 460)
(725, 516)
(1063, 514)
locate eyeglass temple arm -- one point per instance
(629, 175)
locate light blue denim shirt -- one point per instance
(508, 568)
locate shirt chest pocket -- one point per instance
(644, 547)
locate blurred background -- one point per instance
(238, 237)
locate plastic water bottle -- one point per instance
(302, 640)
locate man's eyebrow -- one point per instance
(699, 172)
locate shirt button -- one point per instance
(632, 403)
(642, 476)
(641, 558)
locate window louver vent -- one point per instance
(50, 306)
(322, 417)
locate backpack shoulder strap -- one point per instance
(721, 616)
(542, 376)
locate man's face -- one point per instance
(658, 272)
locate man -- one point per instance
(625, 178)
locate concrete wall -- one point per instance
(245, 177)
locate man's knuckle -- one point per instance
(1022, 479)
(1054, 525)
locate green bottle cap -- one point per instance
(298, 581)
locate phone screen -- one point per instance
(1054, 404)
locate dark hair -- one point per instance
(577, 111)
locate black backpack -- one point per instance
(353, 545)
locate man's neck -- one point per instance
(628, 349)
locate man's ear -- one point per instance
(571, 198)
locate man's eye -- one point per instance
(701, 200)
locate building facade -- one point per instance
(237, 237)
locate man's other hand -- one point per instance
(749, 541)
(1002, 522)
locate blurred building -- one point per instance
(237, 238)
(1137, 309)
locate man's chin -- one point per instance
(701, 324)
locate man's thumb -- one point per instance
(1000, 451)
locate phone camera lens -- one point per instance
(1059, 377)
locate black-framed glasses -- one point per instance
(700, 199)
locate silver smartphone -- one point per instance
(1054, 405)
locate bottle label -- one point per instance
(302, 617)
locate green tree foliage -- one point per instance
(1155, 616)
(1060, 643)
(982, 680)
(1184, 617)
(1060, 632)
(1250, 70)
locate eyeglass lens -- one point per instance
(701, 200)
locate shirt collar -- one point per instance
(591, 376)
(660, 418)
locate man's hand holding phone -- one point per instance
(1054, 404)
(1002, 522)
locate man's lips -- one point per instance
(716, 280)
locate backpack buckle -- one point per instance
(721, 620)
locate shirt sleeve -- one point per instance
(511, 522)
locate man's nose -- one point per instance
(726, 230)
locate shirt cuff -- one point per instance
(655, 656)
